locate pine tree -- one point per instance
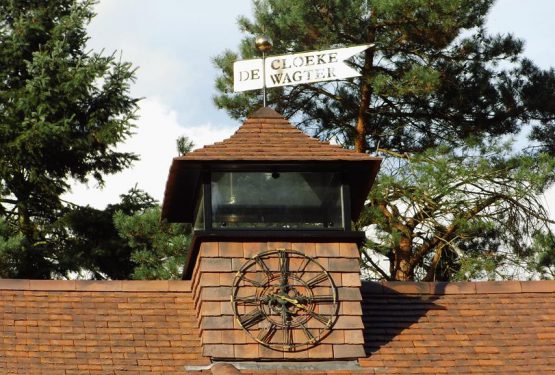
(89, 244)
(158, 249)
(436, 92)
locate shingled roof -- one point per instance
(90, 327)
(149, 327)
(459, 328)
(267, 139)
(268, 136)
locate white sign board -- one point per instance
(306, 67)
(247, 75)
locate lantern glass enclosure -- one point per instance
(199, 213)
(276, 200)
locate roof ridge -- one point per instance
(466, 287)
(386, 287)
(97, 285)
(265, 112)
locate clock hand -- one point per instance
(287, 339)
(287, 299)
(293, 302)
(284, 271)
(322, 318)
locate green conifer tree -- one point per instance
(62, 111)
(437, 97)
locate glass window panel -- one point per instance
(285, 200)
(199, 214)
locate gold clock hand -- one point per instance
(323, 319)
(294, 302)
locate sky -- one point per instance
(172, 43)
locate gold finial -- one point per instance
(263, 43)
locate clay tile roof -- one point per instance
(459, 328)
(97, 327)
(150, 327)
(268, 136)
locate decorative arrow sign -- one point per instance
(306, 67)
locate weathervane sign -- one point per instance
(306, 67)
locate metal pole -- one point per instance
(263, 43)
(263, 78)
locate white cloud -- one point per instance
(172, 45)
(159, 73)
(207, 134)
(154, 139)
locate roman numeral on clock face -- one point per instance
(302, 267)
(265, 335)
(283, 262)
(308, 334)
(321, 318)
(322, 298)
(263, 266)
(251, 319)
(319, 278)
(287, 338)
(247, 300)
(256, 283)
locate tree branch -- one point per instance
(375, 266)
(450, 230)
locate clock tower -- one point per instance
(273, 259)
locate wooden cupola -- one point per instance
(273, 259)
(268, 180)
(269, 175)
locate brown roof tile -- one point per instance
(266, 135)
(483, 327)
(97, 327)
(90, 327)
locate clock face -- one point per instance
(284, 299)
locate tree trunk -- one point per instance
(431, 274)
(403, 268)
(30, 263)
(25, 224)
(365, 96)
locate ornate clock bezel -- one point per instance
(285, 300)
